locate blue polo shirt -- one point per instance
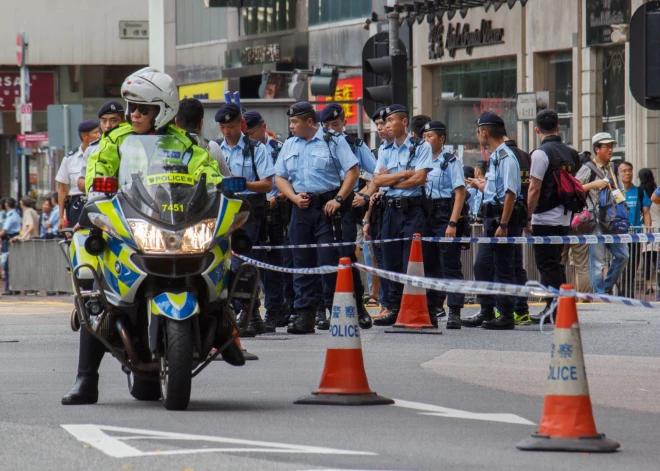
(396, 159)
(241, 165)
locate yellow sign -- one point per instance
(180, 178)
(204, 91)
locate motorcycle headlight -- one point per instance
(103, 222)
(151, 239)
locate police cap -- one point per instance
(379, 114)
(434, 126)
(88, 125)
(490, 119)
(331, 112)
(390, 110)
(227, 113)
(299, 108)
(252, 119)
(111, 107)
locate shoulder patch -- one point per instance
(417, 141)
(502, 153)
(71, 152)
(255, 143)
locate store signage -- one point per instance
(460, 36)
(31, 140)
(204, 91)
(347, 89)
(526, 106)
(601, 15)
(252, 55)
(133, 30)
(42, 90)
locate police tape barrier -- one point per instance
(344, 379)
(551, 240)
(414, 313)
(323, 270)
(567, 423)
(329, 244)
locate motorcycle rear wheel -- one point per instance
(176, 364)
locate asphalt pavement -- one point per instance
(463, 401)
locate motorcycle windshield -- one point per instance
(153, 175)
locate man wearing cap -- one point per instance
(403, 167)
(247, 158)
(333, 119)
(496, 262)
(317, 173)
(277, 310)
(548, 217)
(190, 118)
(111, 115)
(69, 196)
(446, 190)
(597, 176)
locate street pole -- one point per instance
(22, 184)
(65, 120)
(393, 18)
(360, 108)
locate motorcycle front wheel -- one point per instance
(176, 364)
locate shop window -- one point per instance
(328, 11)
(197, 24)
(100, 81)
(278, 15)
(614, 96)
(555, 74)
(463, 91)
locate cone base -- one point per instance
(596, 444)
(403, 329)
(371, 399)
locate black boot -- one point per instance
(485, 314)
(433, 315)
(270, 322)
(441, 312)
(322, 322)
(536, 318)
(364, 319)
(283, 315)
(233, 355)
(389, 319)
(454, 319)
(503, 322)
(303, 323)
(85, 391)
(90, 355)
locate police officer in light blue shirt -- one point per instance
(247, 158)
(274, 283)
(446, 190)
(334, 121)
(403, 167)
(11, 228)
(501, 189)
(317, 172)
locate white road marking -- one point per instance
(440, 411)
(115, 446)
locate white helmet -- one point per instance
(152, 87)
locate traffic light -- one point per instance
(393, 71)
(324, 81)
(644, 73)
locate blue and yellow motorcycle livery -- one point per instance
(152, 278)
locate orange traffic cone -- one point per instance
(344, 380)
(414, 313)
(567, 423)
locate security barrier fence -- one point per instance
(39, 265)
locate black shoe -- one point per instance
(454, 319)
(434, 318)
(283, 315)
(536, 318)
(233, 355)
(257, 323)
(10, 293)
(364, 319)
(303, 323)
(85, 391)
(389, 319)
(270, 322)
(503, 322)
(441, 312)
(322, 322)
(486, 313)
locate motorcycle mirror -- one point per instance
(240, 242)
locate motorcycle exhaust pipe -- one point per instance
(128, 343)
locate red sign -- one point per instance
(347, 89)
(30, 138)
(19, 49)
(42, 90)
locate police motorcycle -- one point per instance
(152, 277)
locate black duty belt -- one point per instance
(404, 202)
(320, 199)
(442, 203)
(492, 210)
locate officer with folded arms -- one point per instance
(334, 120)
(317, 172)
(446, 190)
(247, 158)
(501, 189)
(276, 309)
(403, 167)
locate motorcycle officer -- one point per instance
(152, 103)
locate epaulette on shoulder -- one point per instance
(332, 132)
(93, 143)
(502, 153)
(418, 141)
(255, 143)
(71, 152)
(354, 141)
